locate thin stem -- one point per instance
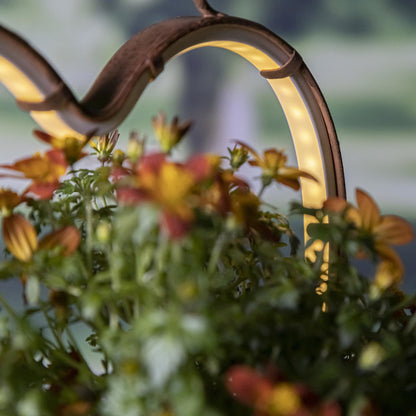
(260, 194)
(8, 308)
(216, 252)
(89, 232)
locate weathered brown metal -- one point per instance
(205, 9)
(286, 70)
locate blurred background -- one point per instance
(362, 53)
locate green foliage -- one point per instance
(169, 317)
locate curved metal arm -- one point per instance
(40, 90)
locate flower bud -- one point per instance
(135, 147)
(169, 135)
(371, 356)
(103, 232)
(118, 157)
(238, 156)
(20, 237)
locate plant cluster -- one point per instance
(152, 287)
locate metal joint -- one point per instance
(155, 65)
(286, 70)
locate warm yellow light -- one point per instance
(17, 82)
(51, 122)
(25, 90)
(303, 133)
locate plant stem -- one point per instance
(89, 231)
(216, 252)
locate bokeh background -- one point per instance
(362, 53)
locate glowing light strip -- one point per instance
(24, 89)
(304, 135)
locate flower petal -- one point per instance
(175, 225)
(368, 209)
(246, 385)
(67, 237)
(394, 230)
(387, 253)
(387, 274)
(42, 190)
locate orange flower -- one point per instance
(168, 185)
(70, 146)
(273, 166)
(43, 169)
(385, 230)
(169, 135)
(9, 200)
(19, 237)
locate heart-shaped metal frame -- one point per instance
(39, 90)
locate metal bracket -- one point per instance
(155, 65)
(54, 101)
(205, 9)
(289, 68)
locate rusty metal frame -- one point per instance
(140, 60)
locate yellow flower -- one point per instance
(283, 400)
(105, 144)
(19, 237)
(273, 166)
(9, 200)
(169, 135)
(385, 230)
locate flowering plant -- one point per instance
(158, 288)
